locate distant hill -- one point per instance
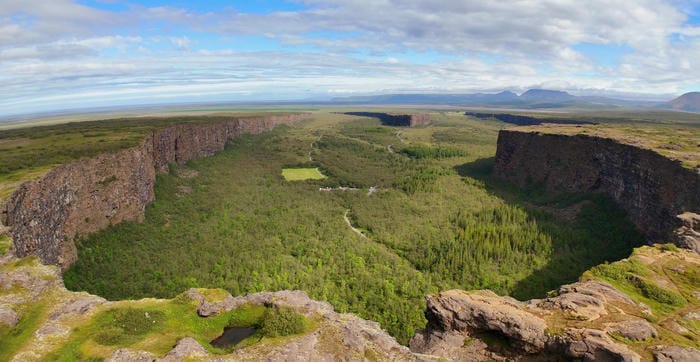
(531, 99)
(545, 95)
(420, 98)
(688, 102)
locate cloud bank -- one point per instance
(63, 53)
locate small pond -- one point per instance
(232, 336)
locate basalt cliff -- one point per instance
(47, 215)
(661, 197)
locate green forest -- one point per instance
(431, 215)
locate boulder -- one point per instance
(185, 348)
(474, 313)
(594, 345)
(127, 355)
(635, 330)
(8, 317)
(676, 354)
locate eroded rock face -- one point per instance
(80, 198)
(594, 345)
(651, 188)
(456, 310)
(460, 322)
(85, 196)
(688, 235)
(676, 354)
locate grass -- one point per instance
(4, 244)
(430, 226)
(664, 279)
(157, 326)
(677, 141)
(302, 174)
(32, 316)
(27, 153)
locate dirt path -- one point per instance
(398, 135)
(390, 149)
(312, 148)
(356, 230)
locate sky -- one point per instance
(64, 54)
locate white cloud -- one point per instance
(63, 52)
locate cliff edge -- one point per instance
(646, 307)
(654, 190)
(47, 215)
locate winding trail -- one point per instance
(398, 135)
(356, 230)
(390, 149)
(312, 148)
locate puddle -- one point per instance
(232, 336)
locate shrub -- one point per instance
(653, 291)
(127, 325)
(247, 316)
(432, 152)
(279, 322)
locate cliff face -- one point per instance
(396, 120)
(76, 199)
(652, 189)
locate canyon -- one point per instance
(603, 316)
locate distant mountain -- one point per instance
(688, 102)
(420, 98)
(545, 95)
(531, 99)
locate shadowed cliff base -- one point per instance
(601, 229)
(397, 120)
(521, 120)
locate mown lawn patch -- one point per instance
(302, 174)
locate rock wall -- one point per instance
(651, 188)
(396, 120)
(524, 120)
(73, 200)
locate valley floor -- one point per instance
(436, 221)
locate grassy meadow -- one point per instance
(423, 197)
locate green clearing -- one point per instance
(302, 174)
(156, 326)
(434, 221)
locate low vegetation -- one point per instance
(302, 174)
(663, 281)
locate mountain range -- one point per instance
(532, 99)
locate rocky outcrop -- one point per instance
(651, 188)
(590, 320)
(516, 330)
(76, 199)
(399, 120)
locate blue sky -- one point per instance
(70, 54)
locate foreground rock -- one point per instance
(589, 320)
